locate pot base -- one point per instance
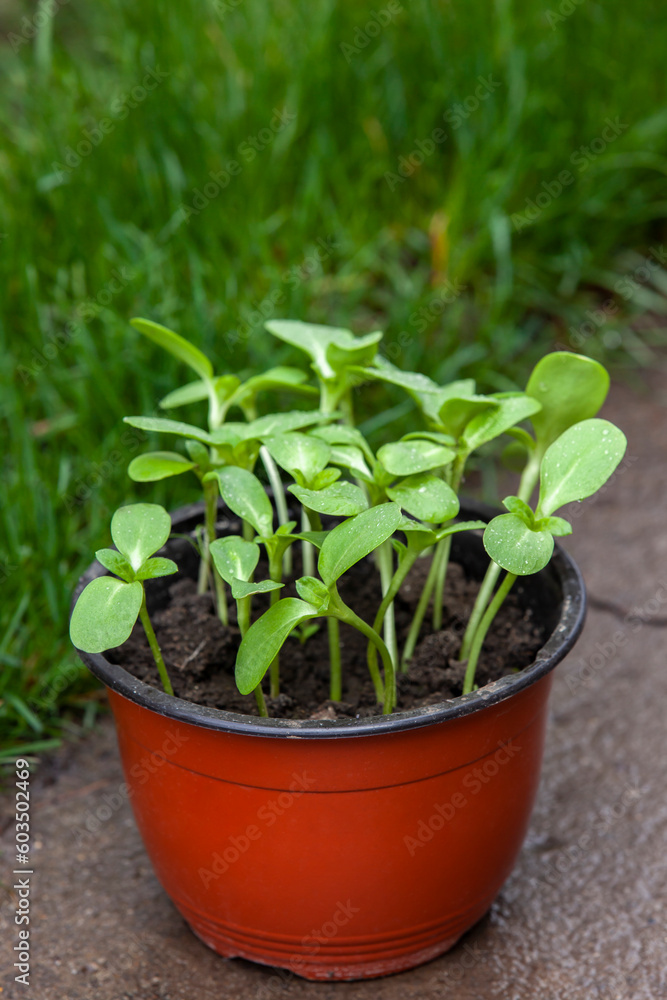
(340, 959)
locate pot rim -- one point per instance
(566, 632)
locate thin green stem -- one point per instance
(204, 560)
(155, 649)
(442, 559)
(347, 407)
(529, 478)
(211, 502)
(307, 550)
(399, 576)
(279, 498)
(416, 624)
(335, 681)
(261, 703)
(385, 693)
(243, 618)
(243, 614)
(275, 574)
(484, 625)
(385, 565)
(479, 607)
(333, 631)
(329, 396)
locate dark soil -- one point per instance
(200, 652)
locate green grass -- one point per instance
(85, 245)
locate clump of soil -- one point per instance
(199, 651)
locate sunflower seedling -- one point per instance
(521, 542)
(108, 608)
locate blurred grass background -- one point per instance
(115, 116)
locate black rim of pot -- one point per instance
(562, 569)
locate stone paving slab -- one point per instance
(582, 917)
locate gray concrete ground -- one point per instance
(582, 916)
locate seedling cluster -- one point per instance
(395, 506)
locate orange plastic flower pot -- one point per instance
(342, 849)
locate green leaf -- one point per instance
(244, 494)
(456, 413)
(418, 536)
(570, 387)
(407, 458)
(139, 530)
(234, 558)
(158, 566)
(360, 352)
(199, 454)
(281, 377)
(176, 345)
(515, 547)
(165, 426)
(341, 434)
(515, 505)
(556, 525)
(116, 563)
(452, 529)
(412, 382)
(432, 401)
(286, 529)
(512, 408)
(351, 458)
(315, 538)
(193, 392)
(243, 588)
(427, 497)
(523, 439)
(578, 463)
(340, 500)
(225, 386)
(315, 340)
(435, 436)
(301, 455)
(324, 479)
(314, 592)
(355, 538)
(263, 640)
(156, 465)
(105, 614)
(274, 423)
